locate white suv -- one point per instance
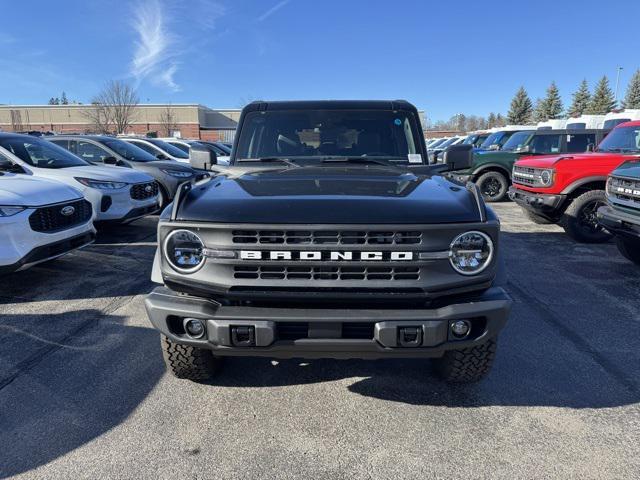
(117, 194)
(158, 148)
(40, 220)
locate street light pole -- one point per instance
(617, 83)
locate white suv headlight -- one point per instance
(10, 211)
(100, 184)
(471, 252)
(184, 250)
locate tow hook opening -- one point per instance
(410, 336)
(243, 336)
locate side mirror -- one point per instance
(458, 157)
(494, 146)
(202, 158)
(110, 161)
(525, 149)
(9, 167)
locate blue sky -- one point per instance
(446, 57)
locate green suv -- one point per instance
(491, 169)
(621, 215)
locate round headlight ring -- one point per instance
(488, 243)
(546, 177)
(187, 236)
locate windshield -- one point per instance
(493, 139)
(127, 150)
(223, 147)
(41, 154)
(437, 142)
(621, 139)
(470, 140)
(446, 143)
(517, 141)
(167, 147)
(314, 135)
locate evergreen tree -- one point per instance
(632, 98)
(521, 110)
(581, 100)
(64, 100)
(500, 121)
(540, 111)
(553, 102)
(491, 121)
(52, 101)
(603, 100)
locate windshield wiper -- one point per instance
(357, 160)
(286, 161)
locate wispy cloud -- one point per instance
(208, 12)
(273, 10)
(155, 53)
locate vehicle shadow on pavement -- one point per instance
(69, 391)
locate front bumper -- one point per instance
(619, 222)
(324, 330)
(546, 205)
(49, 251)
(118, 206)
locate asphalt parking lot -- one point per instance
(84, 393)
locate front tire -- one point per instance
(188, 362)
(580, 222)
(493, 186)
(629, 249)
(467, 364)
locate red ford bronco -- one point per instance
(568, 189)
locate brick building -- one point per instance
(187, 120)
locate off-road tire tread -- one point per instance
(468, 364)
(568, 220)
(188, 362)
(502, 194)
(628, 251)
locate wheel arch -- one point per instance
(491, 167)
(584, 185)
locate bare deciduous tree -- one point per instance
(113, 109)
(168, 123)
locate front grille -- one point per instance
(326, 237)
(52, 219)
(142, 191)
(624, 190)
(277, 272)
(525, 175)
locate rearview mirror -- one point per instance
(458, 157)
(202, 158)
(591, 147)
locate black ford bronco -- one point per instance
(330, 236)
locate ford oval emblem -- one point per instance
(148, 189)
(68, 211)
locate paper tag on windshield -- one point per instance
(415, 158)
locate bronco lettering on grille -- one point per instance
(335, 256)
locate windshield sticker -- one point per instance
(397, 121)
(414, 158)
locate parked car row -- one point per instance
(54, 188)
(593, 196)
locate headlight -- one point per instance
(10, 211)
(471, 252)
(177, 173)
(183, 249)
(546, 177)
(101, 184)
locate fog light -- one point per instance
(194, 327)
(461, 328)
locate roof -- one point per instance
(332, 105)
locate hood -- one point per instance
(348, 195)
(629, 169)
(29, 191)
(169, 164)
(548, 161)
(98, 172)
